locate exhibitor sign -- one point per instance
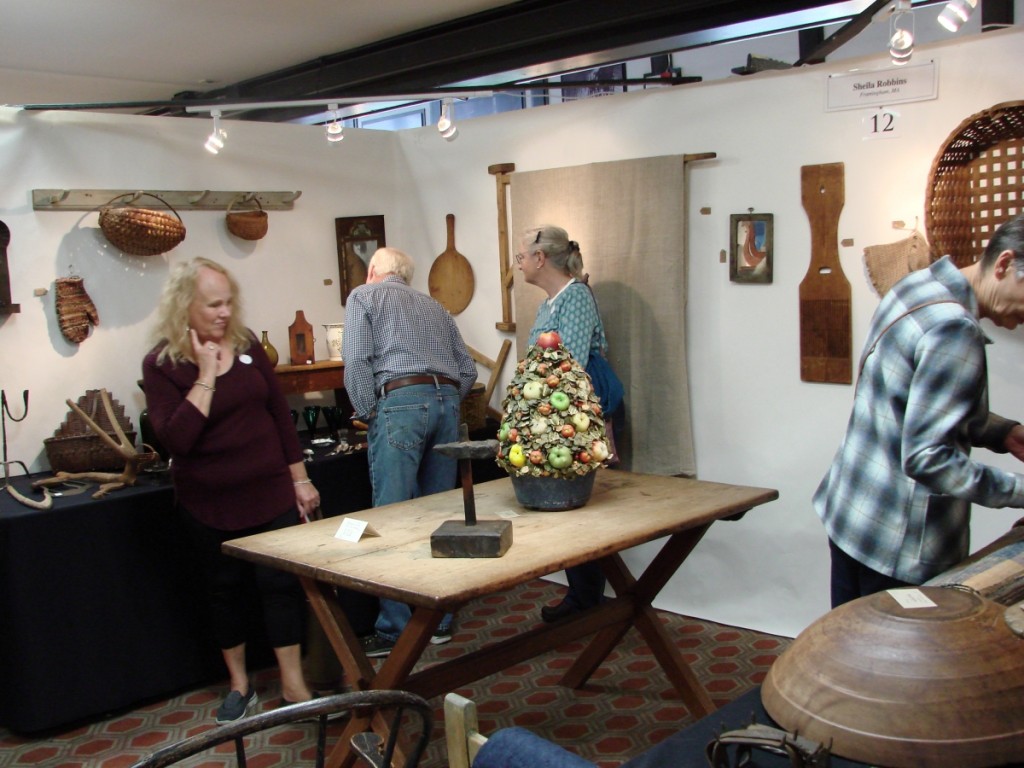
(873, 88)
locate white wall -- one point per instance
(755, 422)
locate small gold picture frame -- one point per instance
(751, 243)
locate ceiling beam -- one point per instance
(522, 34)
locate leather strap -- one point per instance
(408, 381)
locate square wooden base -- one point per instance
(488, 538)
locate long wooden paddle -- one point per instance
(826, 331)
(451, 275)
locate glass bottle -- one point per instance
(269, 349)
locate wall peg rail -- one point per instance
(181, 200)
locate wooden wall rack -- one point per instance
(180, 200)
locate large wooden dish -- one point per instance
(896, 687)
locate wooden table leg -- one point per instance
(359, 669)
(340, 635)
(641, 592)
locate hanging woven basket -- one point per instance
(248, 225)
(141, 231)
(975, 183)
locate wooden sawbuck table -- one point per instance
(626, 509)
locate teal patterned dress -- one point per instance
(573, 314)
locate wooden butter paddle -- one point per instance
(451, 276)
(826, 328)
(6, 307)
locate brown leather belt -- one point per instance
(408, 381)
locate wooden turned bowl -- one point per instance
(893, 686)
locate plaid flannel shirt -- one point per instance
(898, 493)
(393, 330)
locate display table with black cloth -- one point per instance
(98, 606)
(95, 605)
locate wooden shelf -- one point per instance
(180, 200)
(314, 377)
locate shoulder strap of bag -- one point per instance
(878, 338)
(597, 309)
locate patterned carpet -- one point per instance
(626, 706)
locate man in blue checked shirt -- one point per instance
(896, 500)
(407, 370)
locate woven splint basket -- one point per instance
(976, 182)
(76, 448)
(248, 225)
(141, 231)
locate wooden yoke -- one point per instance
(494, 366)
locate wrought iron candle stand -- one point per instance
(5, 414)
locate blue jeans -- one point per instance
(409, 422)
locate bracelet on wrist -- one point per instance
(302, 482)
(204, 385)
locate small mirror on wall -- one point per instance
(750, 247)
(358, 238)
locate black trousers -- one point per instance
(228, 582)
(851, 579)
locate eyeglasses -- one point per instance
(519, 258)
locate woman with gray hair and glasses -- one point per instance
(551, 261)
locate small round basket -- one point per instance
(248, 225)
(141, 231)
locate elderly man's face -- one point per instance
(1003, 299)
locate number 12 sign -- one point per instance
(882, 124)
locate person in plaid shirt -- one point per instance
(407, 369)
(896, 500)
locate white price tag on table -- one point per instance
(353, 530)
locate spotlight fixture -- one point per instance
(901, 32)
(445, 126)
(215, 141)
(956, 13)
(333, 129)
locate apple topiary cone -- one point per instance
(552, 424)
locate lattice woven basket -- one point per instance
(75, 448)
(976, 182)
(141, 231)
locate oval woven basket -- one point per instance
(248, 225)
(141, 231)
(976, 182)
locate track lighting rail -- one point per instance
(180, 200)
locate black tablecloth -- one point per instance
(686, 749)
(98, 603)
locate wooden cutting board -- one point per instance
(451, 279)
(826, 329)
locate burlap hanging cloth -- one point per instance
(886, 264)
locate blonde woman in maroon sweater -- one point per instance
(237, 465)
